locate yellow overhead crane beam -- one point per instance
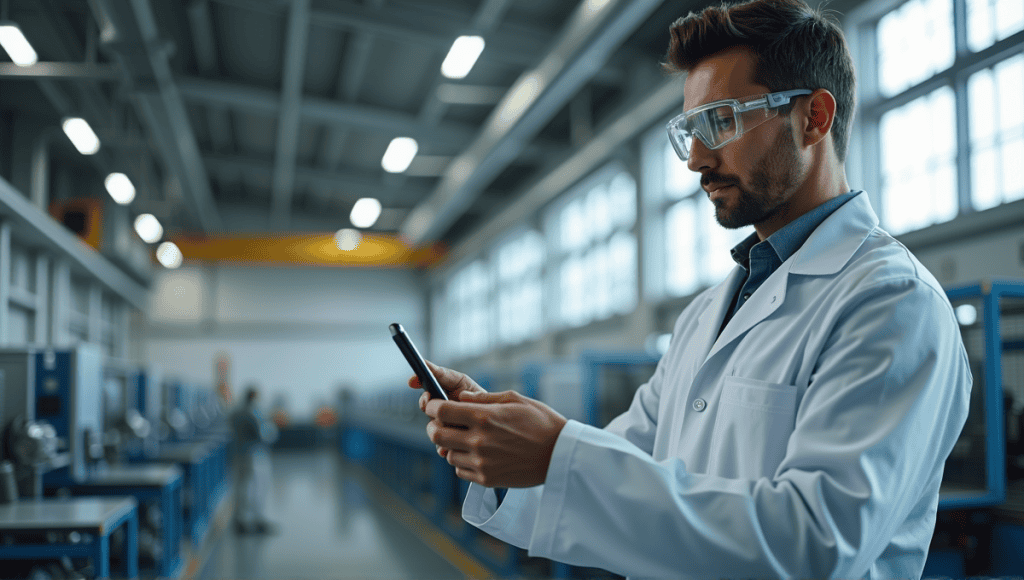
(373, 251)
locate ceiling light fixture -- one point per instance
(365, 212)
(169, 255)
(149, 228)
(120, 188)
(462, 56)
(81, 135)
(347, 239)
(16, 45)
(399, 154)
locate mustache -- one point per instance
(718, 179)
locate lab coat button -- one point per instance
(699, 405)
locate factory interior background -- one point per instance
(202, 196)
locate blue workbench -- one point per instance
(91, 519)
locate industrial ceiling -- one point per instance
(272, 116)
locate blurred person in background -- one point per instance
(253, 435)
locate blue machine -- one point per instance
(975, 476)
(36, 413)
(67, 390)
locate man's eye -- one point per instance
(724, 123)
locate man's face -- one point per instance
(750, 179)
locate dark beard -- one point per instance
(775, 176)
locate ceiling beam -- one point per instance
(288, 123)
(585, 44)
(218, 124)
(517, 45)
(61, 71)
(487, 16)
(344, 185)
(353, 70)
(329, 112)
(134, 37)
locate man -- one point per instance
(253, 434)
(798, 425)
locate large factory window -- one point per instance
(592, 272)
(996, 98)
(461, 324)
(940, 131)
(918, 144)
(518, 270)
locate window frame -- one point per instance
(865, 157)
(556, 256)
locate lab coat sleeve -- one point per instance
(888, 398)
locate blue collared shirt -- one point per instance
(761, 259)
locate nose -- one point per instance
(701, 158)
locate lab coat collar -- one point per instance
(825, 252)
(834, 242)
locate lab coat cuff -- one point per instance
(512, 521)
(553, 498)
(481, 504)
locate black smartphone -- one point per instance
(412, 355)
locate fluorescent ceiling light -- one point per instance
(365, 212)
(81, 135)
(462, 56)
(16, 45)
(347, 239)
(169, 255)
(399, 154)
(148, 228)
(120, 188)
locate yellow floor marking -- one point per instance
(396, 505)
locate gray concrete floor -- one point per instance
(328, 528)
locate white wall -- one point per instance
(297, 332)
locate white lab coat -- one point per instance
(830, 403)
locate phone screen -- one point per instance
(417, 363)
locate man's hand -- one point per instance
(496, 439)
(454, 384)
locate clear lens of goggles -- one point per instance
(722, 122)
(714, 126)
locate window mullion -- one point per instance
(963, 145)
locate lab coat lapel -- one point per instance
(826, 252)
(761, 305)
(711, 319)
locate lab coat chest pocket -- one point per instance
(752, 428)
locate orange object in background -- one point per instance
(325, 417)
(83, 216)
(280, 418)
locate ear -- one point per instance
(817, 115)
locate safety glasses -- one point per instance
(722, 122)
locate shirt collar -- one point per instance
(788, 240)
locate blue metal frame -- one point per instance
(990, 292)
(98, 551)
(169, 498)
(592, 362)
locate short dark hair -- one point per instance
(796, 48)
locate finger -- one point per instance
(465, 414)
(448, 437)
(452, 381)
(485, 397)
(468, 475)
(423, 401)
(414, 382)
(460, 460)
